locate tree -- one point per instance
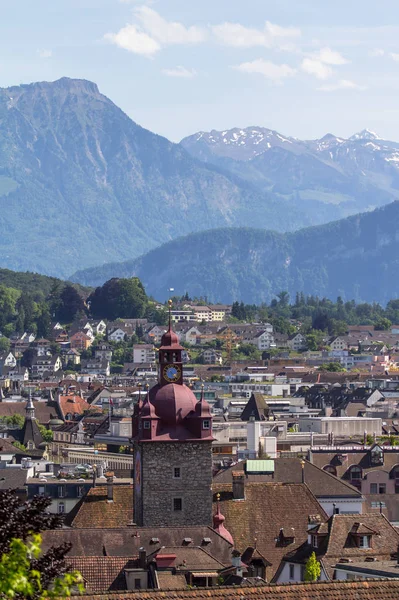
(4, 344)
(20, 575)
(46, 434)
(119, 298)
(383, 324)
(71, 304)
(312, 568)
(332, 367)
(21, 522)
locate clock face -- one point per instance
(171, 372)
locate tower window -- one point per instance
(147, 424)
(206, 424)
(177, 473)
(177, 504)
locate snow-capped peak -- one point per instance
(366, 134)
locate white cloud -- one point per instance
(179, 72)
(45, 53)
(319, 63)
(377, 52)
(342, 84)
(132, 39)
(394, 56)
(330, 57)
(317, 68)
(266, 68)
(239, 36)
(151, 32)
(168, 32)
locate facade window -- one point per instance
(292, 571)
(147, 424)
(356, 473)
(80, 491)
(382, 488)
(177, 504)
(315, 541)
(365, 541)
(41, 490)
(61, 508)
(373, 488)
(176, 473)
(206, 424)
(61, 491)
(137, 584)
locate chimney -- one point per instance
(142, 558)
(238, 485)
(110, 489)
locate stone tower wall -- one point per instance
(159, 486)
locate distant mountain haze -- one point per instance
(355, 258)
(81, 184)
(349, 176)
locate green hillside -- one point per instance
(355, 258)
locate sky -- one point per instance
(302, 67)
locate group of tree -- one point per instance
(317, 314)
(26, 571)
(32, 308)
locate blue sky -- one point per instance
(302, 67)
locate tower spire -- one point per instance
(170, 313)
(30, 409)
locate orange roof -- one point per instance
(73, 404)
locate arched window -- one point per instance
(355, 473)
(330, 469)
(394, 474)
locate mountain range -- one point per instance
(81, 184)
(355, 258)
(345, 175)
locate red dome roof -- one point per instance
(172, 402)
(170, 338)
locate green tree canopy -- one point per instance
(312, 568)
(119, 298)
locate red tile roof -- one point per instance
(267, 509)
(73, 404)
(94, 510)
(330, 590)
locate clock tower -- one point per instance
(172, 443)
(170, 357)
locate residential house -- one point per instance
(338, 343)
(155, 333)
(263, 340)
(72, 356)
(96, 366)
(8, 360)
(296, 342)
(116, 335)
(373, 470)
(103, 351)
(97, 327)
(340, 540)
(80, 341)
(143, 353)
(64, 493)
(46, 365)
(211, 357)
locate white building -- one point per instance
(143, 353)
